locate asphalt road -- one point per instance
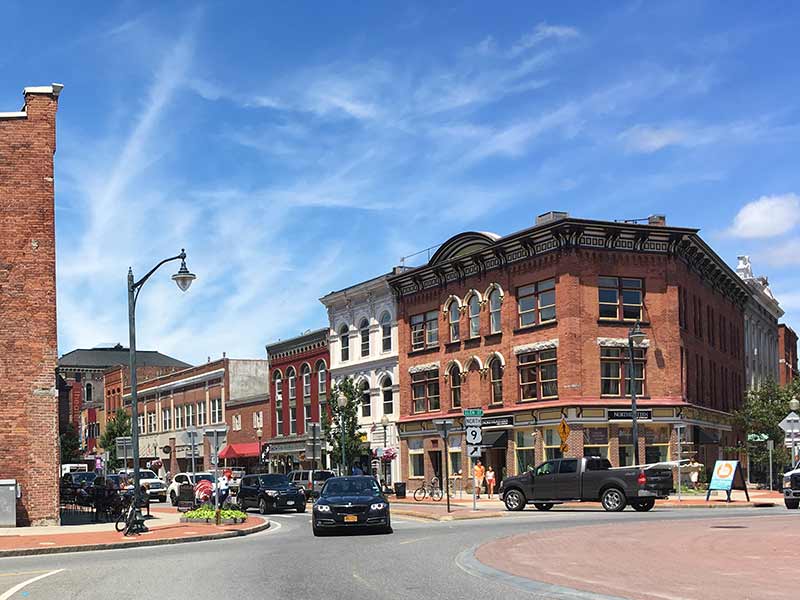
(420, 560)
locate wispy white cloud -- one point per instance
(541, 33)
(647, 139)
(784, 254)
(768, 216)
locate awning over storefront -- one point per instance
(242, 450)
(495, 439)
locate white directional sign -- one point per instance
(790, 423)
(474, 436)
(474, 451)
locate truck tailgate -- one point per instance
(659, 479)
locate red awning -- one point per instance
(243, 450)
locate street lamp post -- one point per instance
(635, 336)
(385, 423)
(342, 402)
(794, 404)
(183, 278)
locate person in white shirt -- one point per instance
(223, 487)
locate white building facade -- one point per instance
(760, 328)
(363, 345)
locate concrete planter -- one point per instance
(212, 521)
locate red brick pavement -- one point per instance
(720, 559)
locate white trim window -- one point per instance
(344, 342)
(474, 307)
(201, 414)
(166, 419)
(306, 372)
(178, 418)
(495, 303)
(416, 458)
(152, 422)
(453, 317)
(322, 380)
(216, 410)
(366, 399)
(141, 423)
(277, 382)
(279, 418)
(292, 377)
(292, 419)
(388, 395)
(496, 373)
(363, 329)
(236, 422)
(455, 386)
(258, 419)
(189, 414)
(386, 332)
(425, 330)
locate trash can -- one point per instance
(8, 502)
(400, 489)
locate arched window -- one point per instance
(453, 315)
(496, 371)
(344, 340)
(388, 395)
(322, 379)
(495, 300)
(277, 385)
(88, 393)
(386, 332)
(364, 329)
(455, 386)
(291, 376)
(306, 373)
(366, 403)
(474, 316)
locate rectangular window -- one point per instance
(425, 391)
(216, 410)
(258, 419)
(307, 417)
(538, 375)
(237, 422)
(178, 418)
(537, 303)
(189, 414)
(292, 387)
(306, 384)
(141, 424)
(595, 441)
(620, 298)
(201, 414)
(292, 419)
(152, 422)
(279, 418)
(526, 456)
(425, 330)
(656, 443)
(625, 447)
(166, 419)
(552, 444)
(615, 368)
(454, 452)
(416, 458)
(322, 381)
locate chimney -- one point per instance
(657, 220)
(550, 217)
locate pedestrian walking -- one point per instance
(224, 487)
(479, 473)
(490, 480)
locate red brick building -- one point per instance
(299, 386)
(28, 345)
(787, 354)
(533, 328)
(198, 397)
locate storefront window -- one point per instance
(526, 456)
(454, 451)
(552, 444)
(416, 458)
(656, 440)
(595, 441)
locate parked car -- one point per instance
(270, 492)
(587, 480)
(156, 490)
(192, 478)
(311, 481)
(791, 489)
(79, 478)
(351, 502)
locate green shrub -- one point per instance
(206, 512)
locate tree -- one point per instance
(70, 445)
(117, 426)
(332, 425)
(763, 409)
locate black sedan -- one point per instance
(269, 493)
(351, 503)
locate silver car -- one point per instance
(311, 481)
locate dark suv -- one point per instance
(270, 492)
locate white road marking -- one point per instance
(19, 586)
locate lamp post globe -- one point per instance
(385, 421)
(794, 404)
(183, 278)
(636, 335)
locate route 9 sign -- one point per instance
(474, 436)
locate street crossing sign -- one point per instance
(474, 451)
(563, 431)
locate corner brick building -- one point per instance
(533, 327)
(28, 345)
(787, 354)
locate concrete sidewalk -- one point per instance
(164, 528)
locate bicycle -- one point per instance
(130, 520)
(432, 489)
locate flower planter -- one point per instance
(212, 521)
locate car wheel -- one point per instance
(791, 504)
(514, 500)
(613, 500)
(173, 499)
(262, 506)
(301, 508)
(644, 505)
(543, 506)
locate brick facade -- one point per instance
(787, 354)
(28, 345)
(674, 392)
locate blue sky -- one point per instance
(295, 148)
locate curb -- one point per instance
(136, 544)
(445, 517)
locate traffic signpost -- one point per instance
(473, 421)
(216, 437)
(444, 426)
(791, 425)
(563, 433)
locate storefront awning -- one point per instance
(242, 450)
(495, 439)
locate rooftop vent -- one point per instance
(549, 217)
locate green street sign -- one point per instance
(473, 412)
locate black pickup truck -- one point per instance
(587, 480)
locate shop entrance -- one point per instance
(436, 464)
(496, 458)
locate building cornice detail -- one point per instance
(424, 367)
(536, 346)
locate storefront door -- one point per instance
(436, 463)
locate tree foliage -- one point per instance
(117, 426)
(348, 415)
(763, 409)
(70, 445)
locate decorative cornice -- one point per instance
(621, 343)
(536, 346)
(423, 368)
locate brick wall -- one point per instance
(787, 354)
(28, 346)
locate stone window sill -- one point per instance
(535, 327)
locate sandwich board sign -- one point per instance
(727, 476)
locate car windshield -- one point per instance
(272, 480)
(202, 477)
(351, 486)
(145, 474)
